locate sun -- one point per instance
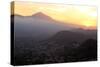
(87, 23)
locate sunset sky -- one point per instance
(84, 16)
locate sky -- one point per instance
(81, 15)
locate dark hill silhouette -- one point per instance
(64, 38)
(86, 51)
(89, 49)
(70, 36)
(90, 33)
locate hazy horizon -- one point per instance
(70, 24)
(82, 16)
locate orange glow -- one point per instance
(74, 14)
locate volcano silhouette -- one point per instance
(42, 16)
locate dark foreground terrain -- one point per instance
(64, 46)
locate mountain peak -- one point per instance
(41, 15)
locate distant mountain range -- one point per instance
(40, 26)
